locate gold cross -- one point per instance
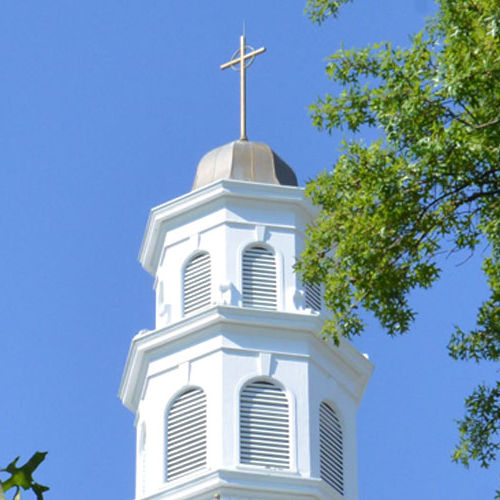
(244, 59)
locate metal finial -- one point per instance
(240, 61)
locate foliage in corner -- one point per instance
(22, 477)
(430, 184)
(320, 10)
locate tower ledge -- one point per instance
(244, 324)
(187, 206)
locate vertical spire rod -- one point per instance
(243, 92)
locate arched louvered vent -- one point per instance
(264, 426)
(331, 448)
(187, 434)
(313, 296)
(197, 283)
(259, 278)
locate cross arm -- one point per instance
(241, 59)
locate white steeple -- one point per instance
(235, 394)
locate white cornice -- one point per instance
(206, 196)
(246, 484)
(215, 320)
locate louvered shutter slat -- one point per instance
(181, 421)
(184, 456)
(197, 283)
(254, 414)
(313, 296)
(197, 273)
(202, 263)
(259, 278)
(195, 290)
(331, 448)
(264, 426)
(186, 434)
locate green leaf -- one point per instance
(320, 10)
(22, 477)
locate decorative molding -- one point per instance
(255, 321)
(265, 359)
(261, 233)
(164, 311)
(185, 372)
(163, 308)
(162, 256)
(194, 242)
(225, 296)
(299, 300)
(162, 216)
(160, 291)
(144, 390)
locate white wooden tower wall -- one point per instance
(222, 346)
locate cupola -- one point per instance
(244, 160)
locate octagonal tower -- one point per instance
(235, 394)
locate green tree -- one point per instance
(22, 477)
(430, 183)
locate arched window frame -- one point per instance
(168, 408)
(278, 260)
(341, 488)
(185, 266)
(292, 455)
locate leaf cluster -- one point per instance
(22, 477)
(319, 10)
(429, 185)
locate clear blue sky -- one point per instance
(106, 108)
